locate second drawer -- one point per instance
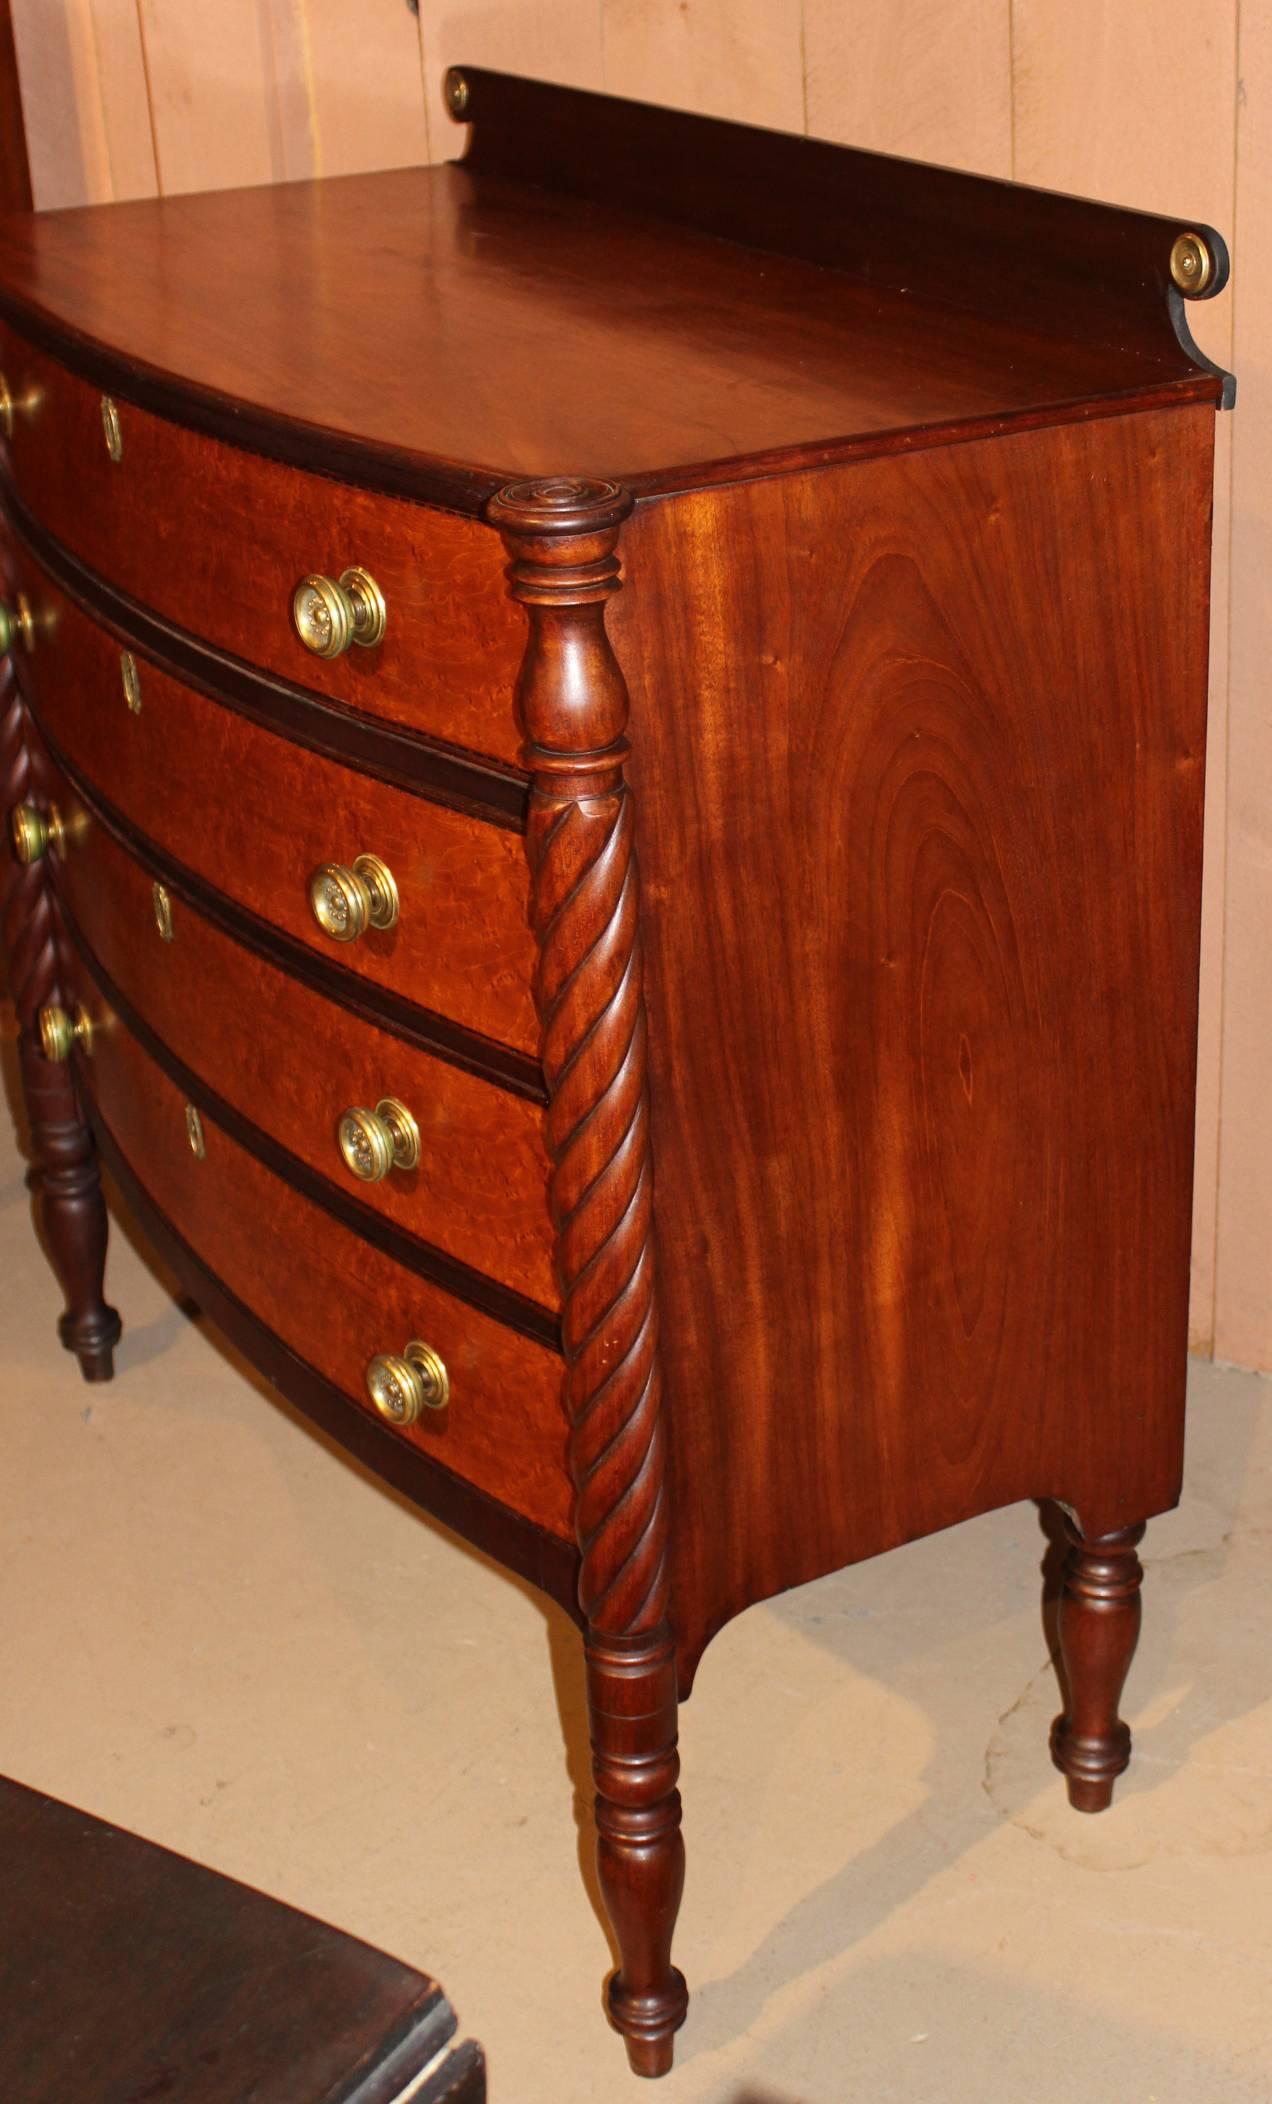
(292, 1062)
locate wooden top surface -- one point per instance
(127, 1972)
(445, 330)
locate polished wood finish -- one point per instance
(462, 946)
(64, 1174)
(921, 887)
(480, 1191)
(661, 355)
(334, 1299)
(561, 537)
(1099, 1629)
(390, 752)
(248, 531)
(906, 477)
(128, 1972)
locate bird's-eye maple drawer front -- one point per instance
(293, 1063)
(255, 815)
(336, 1301)
(217, 539)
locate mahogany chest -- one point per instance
(392, 562)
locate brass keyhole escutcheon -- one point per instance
(331, 614)
(372, 1142)
(131, 679)
(401, 1386)
(345, 902)
(163, 911)
(194, 1132)
(112, 429)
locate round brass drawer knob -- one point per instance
(346, 902)
(332, 613)
(17, 625)
(13, 406)
(33, 832)
(60, 1032)
(375, 1141)
(401, 1387)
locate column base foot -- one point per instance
(92, 1343)
(648, 2028)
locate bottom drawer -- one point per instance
(334, 1300)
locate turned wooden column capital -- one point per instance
(562, 536)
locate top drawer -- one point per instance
(216, 539)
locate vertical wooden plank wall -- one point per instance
(1243, 1299)
(128, 97)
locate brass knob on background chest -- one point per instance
(401, 1387)
(33, 832)
(346, 902)
(61, 1032)
(375, 1141)
(332, 613)
(17, 624)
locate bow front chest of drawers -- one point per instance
(388, 558)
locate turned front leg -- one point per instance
(1099, 1629)
(64, 1173)
(640, 1855)
(67, 1184)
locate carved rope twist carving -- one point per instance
(28, 912)
(562, 534)
(591, 1006)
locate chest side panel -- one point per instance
(918, 750)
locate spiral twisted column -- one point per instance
(562, 537)
(64, 1174)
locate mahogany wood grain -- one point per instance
(390, 752)
(128, 1973)
(332, 1298)
(1065, 268)
(545, 1559)
(921, 881)
(496, 328)
(225, 561)
(462, 946)
(293, 1062)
